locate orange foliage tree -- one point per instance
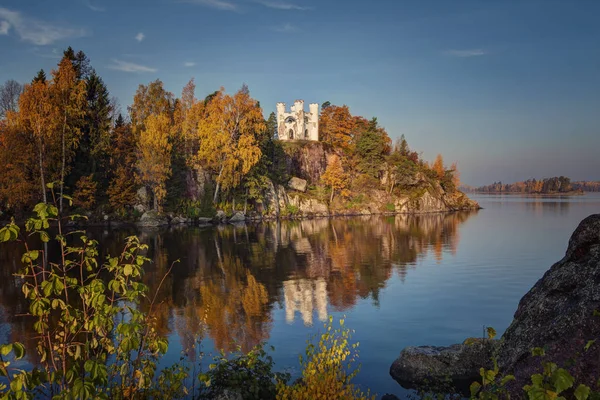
(154, 156)
(227, 135)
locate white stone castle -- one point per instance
(298, 124)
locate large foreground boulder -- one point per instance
(557, 313)
(430, 364)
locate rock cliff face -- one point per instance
(307, 161)
(557, 314)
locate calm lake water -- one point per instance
(399, 281)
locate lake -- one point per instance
(398, 280)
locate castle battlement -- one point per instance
(298, 124)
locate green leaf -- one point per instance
(475, 387)
(5, 349)
(589, 344)
(507, 379)
(538, 351)
(563, 380)
(19, 350)
(537, 379)
(128, 270)
(582, 392)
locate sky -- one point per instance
(509, 90)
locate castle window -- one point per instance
(306, 134)
(291, 134)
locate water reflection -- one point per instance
(230, 279)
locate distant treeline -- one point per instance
(587, 186)
(559, 184)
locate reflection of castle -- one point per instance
(305, 295)
(298, 124)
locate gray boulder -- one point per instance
(417, 366)
(152, 218)
(179, 220)
(238, 217)
(298, 184)
(203, 221)
(557, 313)
(220, 217)
(140, 208)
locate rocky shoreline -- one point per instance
(559, 314)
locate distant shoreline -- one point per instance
(571, 193)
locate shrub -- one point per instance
(92, 339)
(327, 369)
(249, 375)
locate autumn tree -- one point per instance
(38, 117)
(84, 195)
(154, 156)
(228, 138)
(438, 166)
(123, 159)
(334, 176)
(9, 97)
(151, 99)
(68, 94)
(18, 160)
(336, 126)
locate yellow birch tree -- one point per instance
(154, 156)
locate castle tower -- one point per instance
(313, 128)
(280, 121)
(298, 124)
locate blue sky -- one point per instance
(508, 89)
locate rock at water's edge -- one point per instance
(238, 217)
(152, 218)
(557, 313)
(220, 217)
(429, 364)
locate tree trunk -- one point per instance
(216, 196)
(331, 198)
(62, 168)
(246, 202)
(155, 201)
(43, 181)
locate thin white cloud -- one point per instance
(218, 4)
(94, 8)
(125, 66)
(36, 31)
(465, 53)
(285, 28)
(140, 36)
(189, 64)
(4, 27)
(279, 5)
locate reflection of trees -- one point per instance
(229, 278)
